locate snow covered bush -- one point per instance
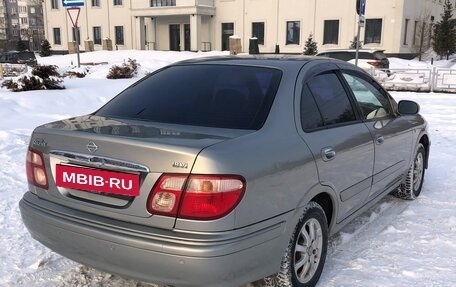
(24, 83)
(77, 72)
(42, 77)
(125, 71)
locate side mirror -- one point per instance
(408, 107)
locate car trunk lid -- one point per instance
(127, 148)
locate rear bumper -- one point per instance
(148, 254)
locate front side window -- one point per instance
(221, 96)
(373, 31)
(97, 35)
(258, 31)
(331, 98)
(331, 32)
(293, 32)
(372, 102)
(57, 39)
(117, 2)
(119, 35)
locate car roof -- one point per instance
(351, 50)
(266, 60)
(290, 64)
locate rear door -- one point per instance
(393, 140)
(340, 142)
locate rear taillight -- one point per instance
(199, 197)
(375, 64)
(36, 172)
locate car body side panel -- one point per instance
(390, 166)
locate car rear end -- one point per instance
(108, 189)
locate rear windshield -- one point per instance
(223, 96)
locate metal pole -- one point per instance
(77, 44)
(357, 40)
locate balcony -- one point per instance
(172, 7)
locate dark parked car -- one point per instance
(367, 58)
(18, 57)
(222, 171)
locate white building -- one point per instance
(392, 25)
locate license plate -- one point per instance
(96, 180)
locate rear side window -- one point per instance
(367, 56)
(223, 96)
(331, 98)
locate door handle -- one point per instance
(379, 140)
(328, 154)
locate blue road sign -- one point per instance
(72, 3)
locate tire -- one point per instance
(412, 183)
(305, 256)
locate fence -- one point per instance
(420, 80)
(12, 70)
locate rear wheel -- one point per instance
(412, 183)
(305, 256)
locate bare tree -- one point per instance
(422, 33)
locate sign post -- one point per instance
(360, 10)
(73, 10)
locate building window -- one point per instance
(119, 35)
(95, 3)
(331, 32)
(32, 10)
(373, 31)
(160, 3)
(97, 35)
(54, 4)
(57, 40)
(415, 31)
(258, 31)
(33, 21)
(406, 31)
(24, 20)
(293, 32)
(117, 2)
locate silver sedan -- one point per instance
(223, 171)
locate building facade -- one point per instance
(397, 26)
(21, 24)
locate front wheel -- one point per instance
(305, 256)
(412, 183)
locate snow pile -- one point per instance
(396, 243)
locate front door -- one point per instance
(187, 37)
(227, 31)
(387, 131)
(174, 37)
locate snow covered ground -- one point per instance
(396, 243)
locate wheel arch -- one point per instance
(424, 140)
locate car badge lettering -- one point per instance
(39, 142)
(180, 164)
(92, 147)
